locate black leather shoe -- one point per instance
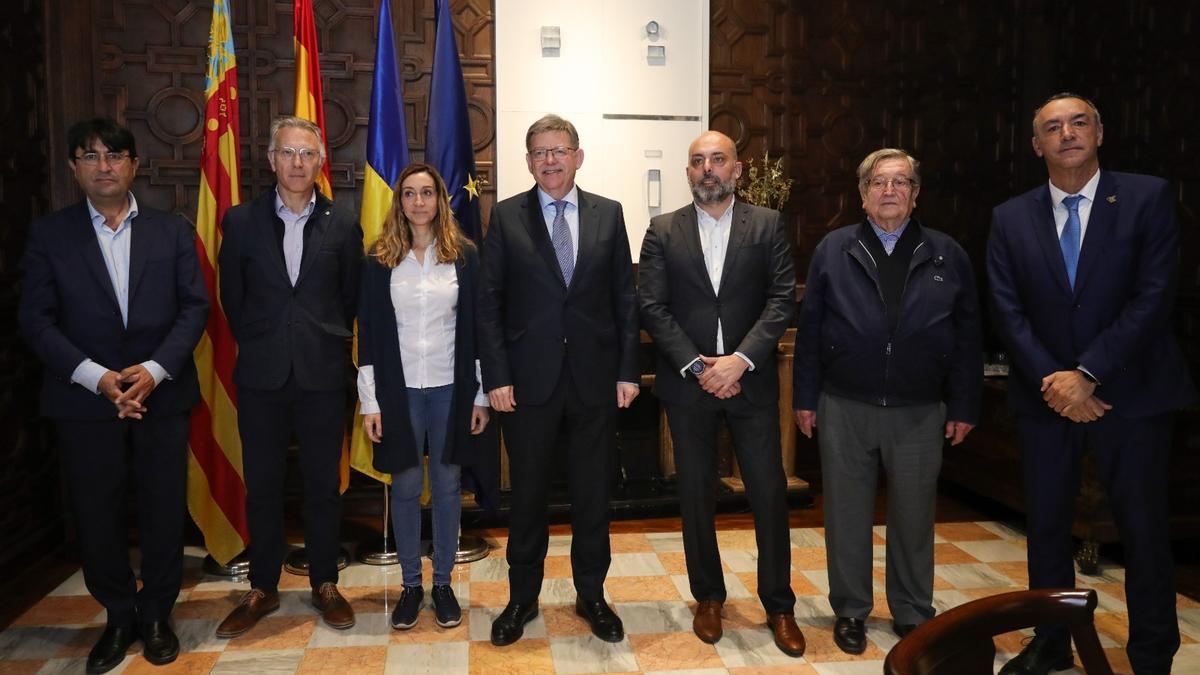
(902, 629)
(1039, 657)
(605, 623)
(510, 625)
(162, 646)
(109, 650)
(850, 635)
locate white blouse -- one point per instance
(425, 298)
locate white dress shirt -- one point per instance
(114, 248)
(425, 298)
(293, 232)
(714, 243)
(570, 213)
(1088, 192)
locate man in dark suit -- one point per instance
(716, 287)
(1082, 274)
(113, 303)
(558, 342)
(290, 266)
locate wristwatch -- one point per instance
(696, 367)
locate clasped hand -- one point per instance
(722, 374)
(1071, 395)
(128, 389)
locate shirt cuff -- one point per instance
(1088, 374)
(684, 370)
(481, 398)
(746, 359)
(87, 375)
(156, 371)
(366, 391)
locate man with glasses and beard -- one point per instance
(716, 288)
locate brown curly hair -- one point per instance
(395, 239)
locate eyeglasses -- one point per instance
(287, 154)
(93, 158)
(899, 183)
(539, 154)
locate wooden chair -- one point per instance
(959, 642)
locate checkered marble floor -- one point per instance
(647, 585)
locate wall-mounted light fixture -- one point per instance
(551, 41)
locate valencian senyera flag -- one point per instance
(216, 491)
(448, 146)
(310, 105)
(387, 155)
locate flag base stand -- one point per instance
(238, 567)
(470, 549)
(377, 551)
(296, 561)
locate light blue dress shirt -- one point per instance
(114, 249)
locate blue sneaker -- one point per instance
(445, 606)
(405, 614)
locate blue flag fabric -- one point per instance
(448, 144)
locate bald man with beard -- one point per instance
(716, 288)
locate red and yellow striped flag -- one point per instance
(310, 104)
(216, 491)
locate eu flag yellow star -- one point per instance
(472, 187)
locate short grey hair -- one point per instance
(550, 123)
(293, 122)
(1058, 97)
(867, 166)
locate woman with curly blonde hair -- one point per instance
(418, 378)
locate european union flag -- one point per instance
(448, 137)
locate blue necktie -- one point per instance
(1069, 241)
(560, 236)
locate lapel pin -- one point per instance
(327, 213)
(1112, 199)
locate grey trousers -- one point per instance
(853, 438)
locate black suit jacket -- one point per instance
(68, 309)
(279, 328)
(529, 318)
(1116, 321)
(756, 301)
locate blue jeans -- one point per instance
(430, 413)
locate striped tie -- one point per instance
(560, 236)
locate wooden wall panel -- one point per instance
(151, 69)
(31, 513)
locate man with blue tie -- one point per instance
(1082, 274)
(113, 303)
(558, 341)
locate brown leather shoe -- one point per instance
(255, 604)
(788, 637)
(707, 624)
(334, 609)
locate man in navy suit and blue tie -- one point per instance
(113, 303)
(1082, 274)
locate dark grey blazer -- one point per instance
(679, 308)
